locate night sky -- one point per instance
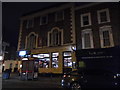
(11, 13)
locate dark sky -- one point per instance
(11, 13)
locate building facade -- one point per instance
(52, 34)
(8, 57)
(49, 35)
(97, 25)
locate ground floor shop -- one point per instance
(55, 60)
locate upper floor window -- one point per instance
(59, 16)
(29, 23)
(85, 19)
(31, 41)
(55, 37)
(106, 37)
(103, 16)
(87, 39)
(43, 20)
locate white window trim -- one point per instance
(89, 18)
(106, 28)
(107, 13)
(41, 19)
(48, 41)
(91, 38)
(32, 23)
(56, 20)
(26, 42)
(61, 30)
(36, 44)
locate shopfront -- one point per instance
(55, 59)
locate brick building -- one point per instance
(49, 35)
(97, 25)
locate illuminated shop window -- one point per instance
(55, 60)
(35, 56)
(67, 59)
(44, 60)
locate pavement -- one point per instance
(41, 82)
(0, 75)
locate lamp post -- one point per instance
(73, 47)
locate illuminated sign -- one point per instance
(22, 53)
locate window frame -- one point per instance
(107, 15)
(27, 40)
(109, 29)
(54, 57)
(51, 39)
(27, 23)
(89, 19)
(91, 38)
(40, 60)
(68, 56)
(41, 17)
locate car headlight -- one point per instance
(118, 75)
(115, 76)
(24, 73)
(62, 80)
(68, 76)
(73, 79)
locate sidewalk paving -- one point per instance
(41, 77)
(41, 82)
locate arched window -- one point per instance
(55, 37)
(31, 41)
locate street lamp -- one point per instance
(73, 47)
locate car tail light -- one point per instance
(64, 76)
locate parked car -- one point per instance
(86, 79)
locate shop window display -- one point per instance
(55, 60)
